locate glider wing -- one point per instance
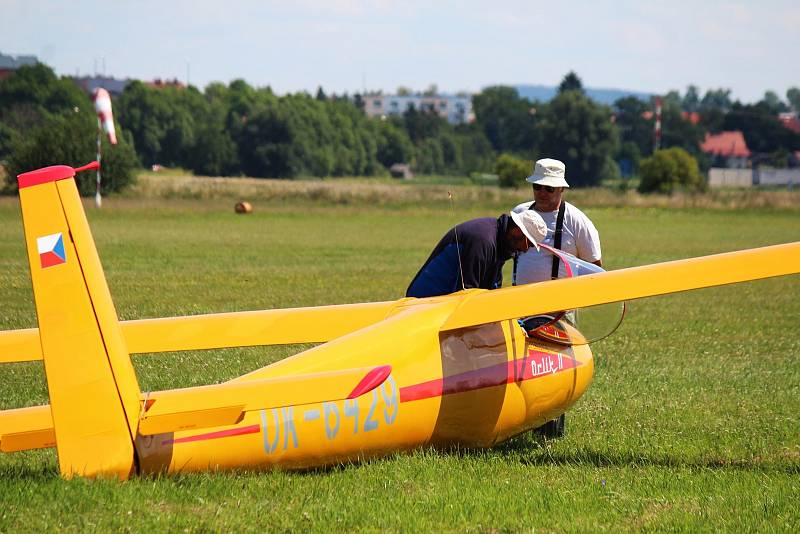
(626, 284)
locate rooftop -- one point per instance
(729, 144)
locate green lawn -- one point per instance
(692, 422)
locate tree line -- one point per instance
(237, 129)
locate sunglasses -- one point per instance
(548, 188)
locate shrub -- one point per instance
(670, 170)
(511, 171)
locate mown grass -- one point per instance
(691, 423)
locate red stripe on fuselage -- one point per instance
(252, 429)
(536, 365)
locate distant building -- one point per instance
(8, 64)
(791, 121)
(114, 86)
(158, 83)
(727, 149)
(456, 109)
(401, 170)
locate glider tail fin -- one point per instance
(94, 395)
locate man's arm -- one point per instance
(587, 240)
(476, 262)
(472, 266)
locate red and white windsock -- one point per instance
(657, 126)
(102, 104)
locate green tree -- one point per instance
(773, 103)
(119, 165)
(762, 130)
(423, 124)
(668, 171)
(634, 120)
(580, 133)
(298, 135)
(265, 142)
(508, 121)
(511, 171)
(793, 97)
(8, 137)
(678, 130)
(214, 152)
(162, 121)
(32, 95)
(477, 154)
(713, 120)
(39, 87)
(691, 100)
(393, 143)
(451, 152)
(358, 101)
(570, 82)
(430, 156)
(716, 99)
(672, 99)
(628, 158)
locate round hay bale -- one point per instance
(243, 207)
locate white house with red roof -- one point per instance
(727, 149)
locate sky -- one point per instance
(351, 46)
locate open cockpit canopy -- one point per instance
(579, 326)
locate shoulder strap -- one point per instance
(556, 243)
(557, 238)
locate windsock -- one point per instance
(657, 125)
(102, 104)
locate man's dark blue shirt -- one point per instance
(483, 251)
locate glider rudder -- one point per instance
(94, 394)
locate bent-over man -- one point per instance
(472, 254)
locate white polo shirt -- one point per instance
(579, 237)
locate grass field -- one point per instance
(692, 422)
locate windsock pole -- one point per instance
(98, 200)
(657, 126)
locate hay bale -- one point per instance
(243, 207)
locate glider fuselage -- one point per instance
(471, 387)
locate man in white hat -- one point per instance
(472, 254)
(568, 228)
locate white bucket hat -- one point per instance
(549, 172)
(532, 225)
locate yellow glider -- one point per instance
(388, 376)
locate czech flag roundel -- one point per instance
(51, 250)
